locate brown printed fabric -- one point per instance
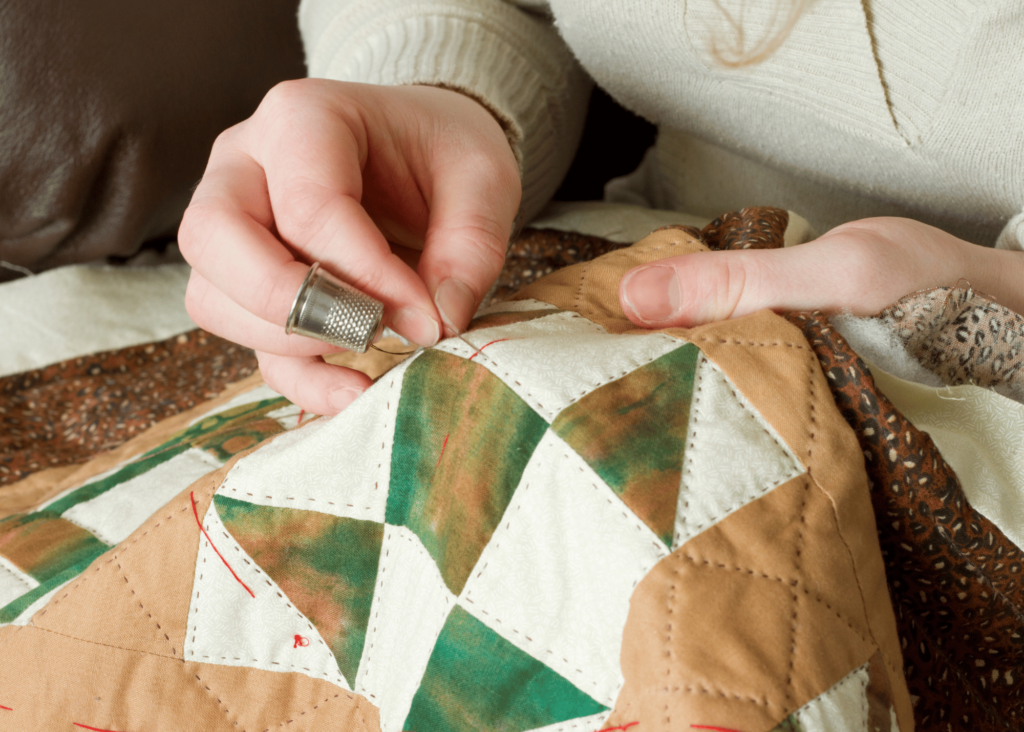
(963, 337)
(954, 577)
(756, 227)
(66, 413)
(539, 252)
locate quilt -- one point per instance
(555, 522)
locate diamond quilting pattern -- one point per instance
(516, 507)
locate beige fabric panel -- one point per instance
(737, 628)
(770, 363)
(120, 689)
(816, 432)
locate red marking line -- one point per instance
(302, 413)
(94, 729)
(442, 450)
(478, 353)
(300, 641)
(713, 729)
(195, 512)
(7, 708)
(619, 729)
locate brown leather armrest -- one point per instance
(108, 110)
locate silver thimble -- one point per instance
(331, 311)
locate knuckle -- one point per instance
(284, 96)
(270, 370)
(302, 211)
(194, 231)
(736, 274)
(194, 298)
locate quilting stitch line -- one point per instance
(124, 576)
(519, 505)
(195, 512)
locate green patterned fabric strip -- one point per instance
(462, 441)
(10, 611)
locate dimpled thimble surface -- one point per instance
(329, 310)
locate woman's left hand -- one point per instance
(860, 267)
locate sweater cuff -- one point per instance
(513, 63)
(1012, 235)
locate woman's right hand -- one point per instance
(339, 173)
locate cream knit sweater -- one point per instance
(870, 107)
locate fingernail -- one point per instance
(652, 293)
(417, 326)
(341, 398)
(456, 303)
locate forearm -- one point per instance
(996, 273)
(511, 61)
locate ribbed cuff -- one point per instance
(1012, 235)
(513, 63)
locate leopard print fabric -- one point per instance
(954, 577)
(962, 337)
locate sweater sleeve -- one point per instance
(508, 57)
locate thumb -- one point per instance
(706, 287)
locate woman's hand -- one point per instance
(338, 173)
(860, 267)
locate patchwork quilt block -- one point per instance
(552, 522)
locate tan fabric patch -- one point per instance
(750, 627)
(137, 596)
(770, 363)
(113, 688)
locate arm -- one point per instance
(860, 267)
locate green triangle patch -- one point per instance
(462, 441)
(326, 565)
(632, 432)
(479, 682)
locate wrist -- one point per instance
(995, 273)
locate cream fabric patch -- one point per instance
(733, 456)
(843, 708)
(339, 466)
(980, 434)
(410, 605)
(556, 578)
(554, 361)
(45, 321)
(115, 514)
(247, 620)
(593, 723)
(13, 582)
